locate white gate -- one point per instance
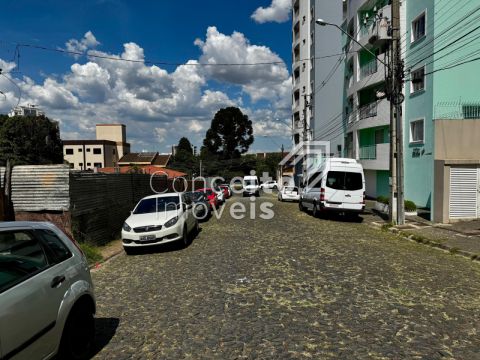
(464, 193)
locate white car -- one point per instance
(47, 304)
(159, 219)
(220, 195)
(289, 193)
(271, 184)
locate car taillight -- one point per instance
(363, 201)
(322, 194)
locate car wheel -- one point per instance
(315, 211)
(130, 250)
(275, 187)
(185, 239)
(300, 206)
(78, 334)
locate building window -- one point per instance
(89, 164)
(80, 150)
(97, 165)
(417, 130)
(471, 111)
(418, 27)
(68, 151)
(97, 151)
(88, 149)
(417, 80)
(80, 165)
(71, 165)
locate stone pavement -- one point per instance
(291, 287)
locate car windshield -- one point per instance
(152, 205)
(341, 180)
(251, 182)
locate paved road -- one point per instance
(290, 287)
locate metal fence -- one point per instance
(457, 110)
(368, 110)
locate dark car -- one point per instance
(201, 205)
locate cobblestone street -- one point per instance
(291, 287)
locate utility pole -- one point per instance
(281, 168)
(397, 207)
(306, 105)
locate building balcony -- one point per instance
(375, 33)
(375, 157)
(374, 114)
(349, 81)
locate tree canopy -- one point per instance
(30, 140)
(230, 134)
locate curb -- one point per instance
(432, 244)
(99, 264)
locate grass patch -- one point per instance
(454, 250)
(386, 227)
(91, 252)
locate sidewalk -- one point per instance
(462, 238)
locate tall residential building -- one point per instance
(317, 69)
(442, 108)
(367, 134)
(109, 146)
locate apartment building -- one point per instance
(442, 109)
(317, 86)
(105, 151)
(28, 110)
(367, 135)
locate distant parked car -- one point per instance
(211, 196)
(159, 219)
(230, 191)
(201, 206)
(220, 194)
(289, 193)
(250, 186)
(271, 184)
(47, 304)
(226, 191)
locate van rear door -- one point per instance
(334, 184)
(353, 188)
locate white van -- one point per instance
(337, 185)
(251, 186)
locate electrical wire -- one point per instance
(18, 87)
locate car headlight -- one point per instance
(171, 222)
(126, 227)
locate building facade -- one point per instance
(442, 109)
(105, 151)
(28, 110)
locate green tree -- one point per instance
(184, 145)
(230, 134)
(30, 141)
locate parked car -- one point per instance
(271, 184)
(211, 196)
(337, 185)
(159, 219)
(226, 190)
(201, 206)
(47, 304)
(250, 186)
(220, 194)
(289, 193)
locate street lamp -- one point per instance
(322, 22)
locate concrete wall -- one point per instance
(112, 132)
(457, 139)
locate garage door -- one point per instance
(464, 193)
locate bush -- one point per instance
(91, 252)
(383, 199)
(410, 206)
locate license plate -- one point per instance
(147, 237)
(334, 205)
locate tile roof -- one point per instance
(146, 169)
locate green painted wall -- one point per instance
(418, 158)
(367, 136)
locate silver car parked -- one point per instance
(47, 304)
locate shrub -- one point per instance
(410, 206)
(92, 253)
(383, 199)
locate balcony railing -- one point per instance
(368, 111)
(368, 152)
(369, 68)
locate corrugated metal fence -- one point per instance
(90, 206)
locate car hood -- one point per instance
(158, 218)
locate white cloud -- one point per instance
(80, 46)
(260, 81)
(157, 106)
(278, 11)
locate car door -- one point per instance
(32, 288)
(353, 197)
(334, 186)
(188, 212)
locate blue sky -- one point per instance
(158, 103)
